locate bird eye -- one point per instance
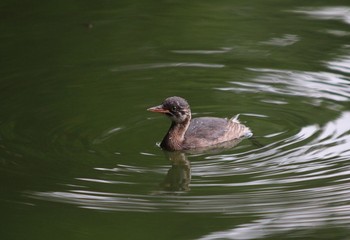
(174, 108)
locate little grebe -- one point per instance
(186, 133)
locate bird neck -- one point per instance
(176, 135)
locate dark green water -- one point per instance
(78, 153)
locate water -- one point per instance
(78, 150)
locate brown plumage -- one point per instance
(186, 133)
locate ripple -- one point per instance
(269, 177)
(338, 33)
(167, 65)
(298, 181)
(100, 201)
(102, 181)
(296, 83)
(341, 13)
(285, 40)
(341, 64)
(299, 215)
(203, 52)
(106, 135)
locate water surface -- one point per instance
(78, 150)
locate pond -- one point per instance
(79, 153)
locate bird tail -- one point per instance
(235, 119)
(245, 131)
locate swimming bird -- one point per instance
(186, 133)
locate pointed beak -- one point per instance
(158, 109)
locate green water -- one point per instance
(78, 150)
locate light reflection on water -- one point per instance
(270, 176)
(279, 182)
(340, 13)
(341, 64)
(296, 83)
(167, 65)
(300, 178)
(285, 40)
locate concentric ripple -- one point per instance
(271, 175)
(296, 83)
(299, 179)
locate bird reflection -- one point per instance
(178, 177)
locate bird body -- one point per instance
(186, 133)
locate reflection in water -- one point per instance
(341, 64)
(284, 209)
(167, 65)
(327, 13)
(68, 106)
(260, 182)
(272, 168)
(296, 83)
(106, 135)
(285, 40)
(338, 33)
(178, 177)
(201, 52)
